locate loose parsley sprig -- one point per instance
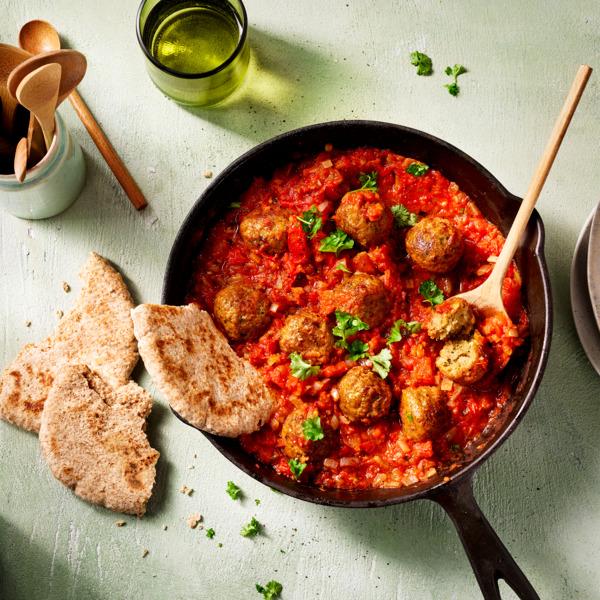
(233, 490)
(270, 591)
(431, 292)
(402, 216)
(422, 62)
(312, 430)
(417, 169)
(311, 221)
(251, 529)
(368, 181)
(336, 242)
(454, 72)
(347, 325)
(300, 368)
(402, 328)
(382, 363)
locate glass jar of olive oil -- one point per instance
(196, 50)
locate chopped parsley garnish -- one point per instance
(382, 363)
(256, 501)
(233, 490)
(336, 242)
(402, 328)
(347, 325)
(296, 467)
(300, 368)
(454, 72)
(358, 349)
(210, 533)
(312, 430)
(422, 62)
(235, 204)
(251, 529)
(417, 169)
(402, 216)
(342, 267)
(431, 292)
(409, 417)
(270, 591)
(311, 221)
(368, 181)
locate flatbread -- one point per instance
(97, 332)
(192, 364)
(93, 438)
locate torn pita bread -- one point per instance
(93, 439)
(97, 332)
(192, 364)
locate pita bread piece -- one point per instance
(192, 364)
(93, 439)
(97, 332)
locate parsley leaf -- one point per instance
(210, 533)
(300, 368)
(311, 221)
(233, 490)
(382, 363)
(402, 327)
(422, 62)
(342, 267)
(336, 242)
(431, 292)
(368, 181)
(417, 169)
(312, 430)
(251, 529)
(270, 591)
(454, 72)
(347, 325)
(296, 467)
(358, 349)
(402, 216)
(235, 204)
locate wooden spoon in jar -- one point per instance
(38, 92)
(487, 297)
(20, 162)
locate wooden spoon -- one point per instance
(10, 57)
(72, 63)
(39, 36)
(21, 160)
(488, 296)
(38, 92)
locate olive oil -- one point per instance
(192, 37)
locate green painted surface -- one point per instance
(312, 61)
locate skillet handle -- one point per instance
(488, 556)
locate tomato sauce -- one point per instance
(375, 454)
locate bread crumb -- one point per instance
(193, 520)
(27, 323)
(120, 523)
(208, 174)
(145, 552)
(60, 314)
(184, 489)
(66, 287)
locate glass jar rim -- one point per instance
(238, 49)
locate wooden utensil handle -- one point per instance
(110, 155)
(541, 173)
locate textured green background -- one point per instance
(312, 61)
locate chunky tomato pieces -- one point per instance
(375, 454)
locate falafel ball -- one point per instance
(364, 396)
(452, 318)
(363, 296)
(424, 412)
(308, 334)
(242, 310)
(264, 230)
(364, 217)
(464, 361)
(296, 444)
(435, 244)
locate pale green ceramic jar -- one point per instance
(197, 89)
(52, 185)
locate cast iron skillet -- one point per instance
(489, 558)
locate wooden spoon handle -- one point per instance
(111, 157)
(539, 178)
